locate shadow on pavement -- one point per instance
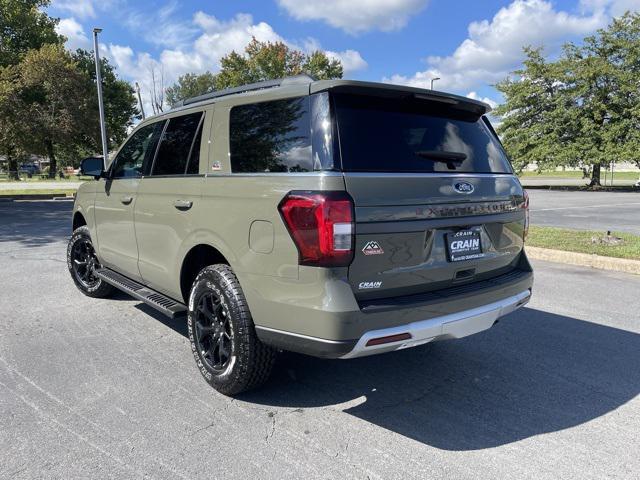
(35, 223)
(533, 373)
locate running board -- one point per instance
(160, 302)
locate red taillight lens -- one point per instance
(525, 206)
(321, 225)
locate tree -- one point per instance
(157, 91)
(271, 60)
(580, 110)
(24, 26)
(53, 101)
(190, 85)
(12, 125)
(261, 61)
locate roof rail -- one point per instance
(280, 82)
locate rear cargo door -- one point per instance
(436, 200)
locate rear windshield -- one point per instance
(411, 135)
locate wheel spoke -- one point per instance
(204, 331)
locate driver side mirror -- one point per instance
(93, 166)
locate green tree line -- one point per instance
(579, 110)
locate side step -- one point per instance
(160, 302)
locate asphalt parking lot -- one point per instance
(108, 388)
(619, 211)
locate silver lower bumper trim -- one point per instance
(455, 325)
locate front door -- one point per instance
(116, 199)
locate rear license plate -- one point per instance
(464, 245)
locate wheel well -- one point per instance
(78, 221)
(198, 257)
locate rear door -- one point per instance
(436, 200)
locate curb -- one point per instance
(585, 260)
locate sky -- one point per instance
(469, 44)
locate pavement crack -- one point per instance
(203, 428)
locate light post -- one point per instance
(103, 128)
(433, 80)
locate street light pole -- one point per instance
(103, 128)
(433, 80)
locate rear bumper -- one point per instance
(329, 322)
(456, 325)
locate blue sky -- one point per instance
(470, 44)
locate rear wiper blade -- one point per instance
(442, 156)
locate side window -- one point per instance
(138, 150)
(271, 137)
(176, 145)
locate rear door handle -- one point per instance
(183, 204)
(126, 200)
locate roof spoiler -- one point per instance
(389, 90)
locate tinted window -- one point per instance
(175, 145)
(137, 151)
(271, 137)
(397, 135)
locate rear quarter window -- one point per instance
(409, 135)
(271, 137)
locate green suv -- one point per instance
(332, 218)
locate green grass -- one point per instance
(580, 241)
(33, 191)
(574, 174)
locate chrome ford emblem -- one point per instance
(463, 187)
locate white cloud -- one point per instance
(494, 48)
(215, 38)
(219, 37)
(356, 16)
(351, 60)
(70, 28)
(473, 95)
(161, 27)
(615, 8)
(79, 8)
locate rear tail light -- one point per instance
(526, 213)
(321, 225)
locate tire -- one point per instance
(82, 261)
(223, 339)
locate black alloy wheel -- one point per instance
(214, 336)
(84, 263)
